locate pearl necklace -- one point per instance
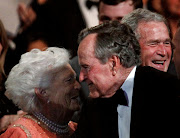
(58, 129)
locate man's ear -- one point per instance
(114, 64)
(41, 93)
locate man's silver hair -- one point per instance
(34, 70)
(114, 38)
(142, 15)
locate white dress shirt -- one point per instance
(124, 112)
(90, 15)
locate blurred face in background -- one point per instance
(114, 12)
(155, 45)
(39, 44)
(173, 7)
(176, 56)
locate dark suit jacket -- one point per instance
(154, 110)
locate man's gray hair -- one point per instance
(114, 38)
(142, 15)
(35, 69)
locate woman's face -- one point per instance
(65, 90)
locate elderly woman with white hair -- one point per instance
(44, 85)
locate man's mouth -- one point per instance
(159, 62)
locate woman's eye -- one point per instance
(70, 79)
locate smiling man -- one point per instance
(109, 56)
(152, 32)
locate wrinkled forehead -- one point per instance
(87, 45)
(153, 29)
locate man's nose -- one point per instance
(82, 75)
(161, 49)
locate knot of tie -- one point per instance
(120, 98)
(117, 98)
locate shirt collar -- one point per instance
(128, 86)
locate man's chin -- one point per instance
(161, 68)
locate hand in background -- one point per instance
(72, 126)
(27, 15)
(7, 120)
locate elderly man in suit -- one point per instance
(108, 10)
(126, 100)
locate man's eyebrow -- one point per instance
(158, 40)
(168, 39)
(153, 40)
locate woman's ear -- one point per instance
(41, 93)
(114, 64)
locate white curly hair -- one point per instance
(31, 73)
